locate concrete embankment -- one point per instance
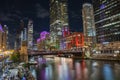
(112, 57)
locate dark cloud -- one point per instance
(18, 12)
(9, 16)
(75, 15)
(5, 17)
(40, 11)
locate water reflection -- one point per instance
(107, 72)
(71, 69)
(95, 71)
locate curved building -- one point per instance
(88, 25)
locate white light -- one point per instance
(116, 51)
(114, 55)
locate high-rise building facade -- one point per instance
(88, 24)
(24, 46)
(58, 11)
(107, 22)
(58, 20)
(3, 37)
(19, 34)
(23, 37)
(30, 34)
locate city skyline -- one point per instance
(13, 11)
(59, 40)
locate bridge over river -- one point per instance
(59, 53)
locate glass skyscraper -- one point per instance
(107, 24)
(107, 20)
(58, 21)
(30, 34)
(88, 19)
(3, 37)
(88, 24)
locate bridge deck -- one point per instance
(35, 53)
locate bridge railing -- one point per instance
(52, 52)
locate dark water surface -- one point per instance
(71, 69)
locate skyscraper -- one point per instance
(88, 24)
(107, 22)
(1, 39)
(5, 37)
(30, 34)
(58, 20)
(24, 37)
(18, 36)
(58, 11)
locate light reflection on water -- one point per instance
(71, 69)
(107, 71)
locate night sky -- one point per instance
(12, 11)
